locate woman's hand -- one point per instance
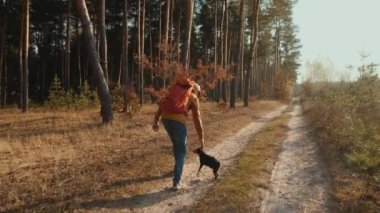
(157, 118)
(156, 126)
(202, 143)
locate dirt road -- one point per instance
(299, 182)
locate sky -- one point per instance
(338, 31)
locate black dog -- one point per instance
(209, 161)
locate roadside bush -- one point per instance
(364, 155)
(118, 94)
(117, 97)
(345, 116)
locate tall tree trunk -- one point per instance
(166, 34)
(3, 26)
(62, 54)
(120, 70)
(68, 43)
(103, 39)
(142, 53)
(277, 57)
(5, 82)
(219, 85)
(171, 29)
(105, 97)
(238, 66)
(138, 45)
(25, 57)
(150, 47)
(44, 57)
(225, 52)
(165, 29)
(255, 74)
(241, 69)
(125, 55)
(79, 64)
(20, 55)
(277, 50)
(185, 50)
(159, 45)
(216, 49)
(85, 69)
(179, 35)
(241, 61)
(255, 27)
(222, 34)
(216, 35)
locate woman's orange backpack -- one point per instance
(178, 97)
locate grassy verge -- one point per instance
(241, 189)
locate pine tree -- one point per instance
(56, 97)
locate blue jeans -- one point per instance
(177, 132)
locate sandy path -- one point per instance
(299, 182)
(165, 200)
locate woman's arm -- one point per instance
(157, 118)
(197, 119)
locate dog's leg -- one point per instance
(216, 174)
(200, 167)
(215, 170)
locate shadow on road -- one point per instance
(134, 202)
